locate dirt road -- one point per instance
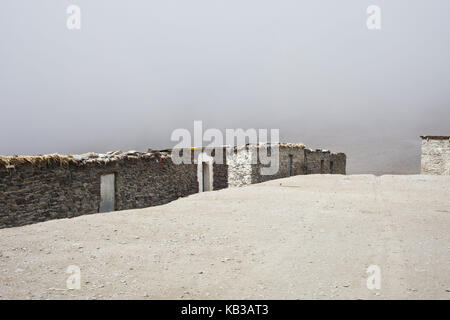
(305, 237)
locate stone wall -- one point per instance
(294, 159)
(219, 164)
(290, 155)
(323, 161)
(435, 155)
(338, 163)
(317, 162)
(220, 170)
(239, 166)
(30, 194)
(35, 189)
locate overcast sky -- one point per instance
(139, 69)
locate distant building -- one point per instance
(435, 155)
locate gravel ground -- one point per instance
(305, 237)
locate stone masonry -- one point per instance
(31, 194)
(435, 155)
(39, 188)
(294, 159)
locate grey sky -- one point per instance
(139, 69)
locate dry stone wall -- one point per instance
(35, 189)
(220, 170)
(323, 161)
(294, 159)
(239, 166)
(435, 155)
(291, 162)
(30, 194)
(338, 163)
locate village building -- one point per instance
(435, 155)
(40, 188)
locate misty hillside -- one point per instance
(374, 155)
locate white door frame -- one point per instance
(204, 158)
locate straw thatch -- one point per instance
(86, 158)
(91, 157)
(37, 161)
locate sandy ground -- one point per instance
(305, 237)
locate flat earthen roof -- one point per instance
(436, 137)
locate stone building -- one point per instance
(40, 188)
(293, 159)
(435, 155)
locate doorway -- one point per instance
(205, 177)
(107, 193)
(290, 165)
(205, 172)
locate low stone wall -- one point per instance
(294, 159)
(291, 163)
(35, 189)
(30, 194)
(324, 162)
(239, 167)
(220, 170)
(435, 155)
(338, 163)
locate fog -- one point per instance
(137, 70)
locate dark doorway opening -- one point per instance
(290, 165)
